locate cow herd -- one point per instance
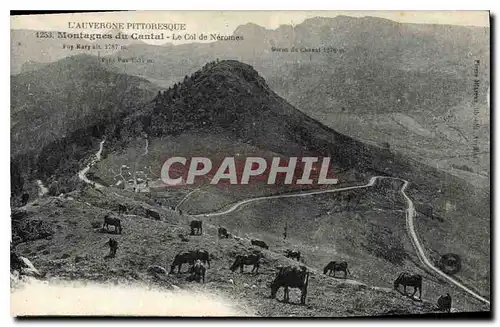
(286, 277)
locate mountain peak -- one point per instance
(235, 68)
(229, 75)
(344, 19)
(249, 30)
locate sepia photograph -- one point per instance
(277, 164)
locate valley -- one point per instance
(407, 193)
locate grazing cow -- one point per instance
(180, 259)
(291, 277)
(113, 247)
(260, 243)
(292, 254)
(189, 258)
(202, 255)
(250, 259)
(444, 302)
(336, 266)
(197, 272)
(122, 209)
(407, 279)
(222, 232)
(198, 225)
(113, 221)
(24, 199)
(153, 214)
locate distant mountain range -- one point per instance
(409, 85)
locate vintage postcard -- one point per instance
(250, 164)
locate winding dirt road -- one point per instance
(82, 173)
(410, 215)
(295, 195)
(184, 199)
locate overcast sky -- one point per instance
(226, 22)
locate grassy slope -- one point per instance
(451, 231)
(370, 235)
(189, 145)
(145, 242)
(376, 221)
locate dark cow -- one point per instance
(113, 247)
(189, 258)
(153, 214)
(444, 302)
(122, 209)
(407, 279)
(292, 254)
(336, 266)
(260, 243)
(24, 199)
(197, 272)
(202, 255)
(113, 221)
(247, 260)
(198, 225)
(291, 277)
(222, 232)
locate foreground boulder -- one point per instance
(157, 270)
(23, 266)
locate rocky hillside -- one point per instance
(55, 109)
(50, 103)
(72, 247)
